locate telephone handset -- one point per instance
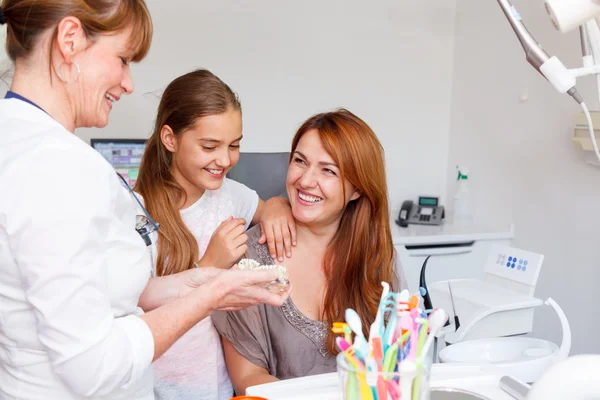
(427, 212)
(404, 213)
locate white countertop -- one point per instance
(325, 387)
(450, 232)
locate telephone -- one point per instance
(427, 212)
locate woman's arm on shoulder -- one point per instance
(274, 216)
(277, 225)
(242, 372)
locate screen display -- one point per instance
(125, 155)
(428, 201)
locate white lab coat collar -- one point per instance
(14, 109)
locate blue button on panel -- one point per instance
(512, 265)
(519, 267)
(524, 269)
(508, 264)
(525, 262)
(520, 261)
(509, 258)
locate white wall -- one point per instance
(390, 62)
(5, 65)
(524, 167)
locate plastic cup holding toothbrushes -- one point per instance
(394, 362)
(363, 384)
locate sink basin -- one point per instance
(498, 350)
(522, 357)
(454, 394)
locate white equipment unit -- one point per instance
(493, 311)
(456, 250)
(523, 358)
(500, 304)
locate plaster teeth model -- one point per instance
(253, 265)
(248, 263)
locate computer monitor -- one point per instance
(125, 155)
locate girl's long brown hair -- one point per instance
(191, 96)
(361, 254)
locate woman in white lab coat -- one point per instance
(72, 266)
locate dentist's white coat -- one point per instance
(72, 268)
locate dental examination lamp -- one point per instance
(565, 15)
(577, 377)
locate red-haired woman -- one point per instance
(337, 188)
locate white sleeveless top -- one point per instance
(194, 367)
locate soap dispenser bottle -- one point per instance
(463, 199)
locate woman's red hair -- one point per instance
(361, 254)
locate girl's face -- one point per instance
(203, 154)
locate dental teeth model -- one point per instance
(281, 282)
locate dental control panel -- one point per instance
(514, 264)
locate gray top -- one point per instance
(281, 340)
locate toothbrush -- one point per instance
(406, 325)
(408, 371)
(365, 392)
(390, 360)
(375, 345)
(372, 375)
(388, 335)
(342, 344)
(420, 355)
(401, 310)
(351, 386)
(360, 342)
(412, 355)
(351, 389)
(413, 302)
(394, 390)
(404, 295)
(378, 356)
(386, 290)
(383, 302)
(424, 323)
(342, 327)
(437, 319)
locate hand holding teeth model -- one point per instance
(252, 265)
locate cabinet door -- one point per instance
(456, 261)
